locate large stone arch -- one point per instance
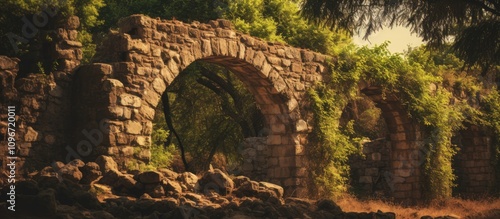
(146, 55)
(406, 145)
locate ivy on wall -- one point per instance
(411, 77)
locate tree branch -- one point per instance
(484, 6)
(168, 119)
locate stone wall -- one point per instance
(255, 153)
(473, 163)
(43, 104)
(370, 171)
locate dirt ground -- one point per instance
(488, 208)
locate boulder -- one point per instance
(71, 171)
(157, 192)
(239, 180)
(278, 190)
(106, 164)
(127, 181)
(248, 188)
(150, 177)
(188, 181)
(172, 186)
(168, 173)
(217, 181)
(111, 178)
(91, 171)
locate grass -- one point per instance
(462, 208)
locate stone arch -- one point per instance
(406, 145)
(147, 54)
(473, 164)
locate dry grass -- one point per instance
(461, 208)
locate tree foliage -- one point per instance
(474, 24)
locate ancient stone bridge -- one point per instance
(108, 107)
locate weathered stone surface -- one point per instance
(71, 171)
(130, 100)
(133, 127)
(168, 173)
(150, 177)
(172, 186)
(188, 180)
(106, 164)
(91, 171)
(31, 135)
(273, 187)
(217, 181)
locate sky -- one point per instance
(399, 37)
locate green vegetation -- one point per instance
(212, 111)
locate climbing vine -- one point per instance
(411, 79)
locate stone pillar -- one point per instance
(43, 102)
(473, 163)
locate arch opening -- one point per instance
(210, 113)
(402, 176)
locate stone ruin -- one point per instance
(107, 107)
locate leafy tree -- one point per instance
(473, 24)
(27, 29)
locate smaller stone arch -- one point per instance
(406, 145)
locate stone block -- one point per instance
(400, 145)
(147, 129)
(147, 112)
(281, 172)
(30, 135)
(159, 85)
(278, 128)
(286, 161)
(116, 111)
(296, 67)
(401, 195)
(122, 138)
(402, 187)
(403, 172)
(371, 171)
(127, 150)
(133, 127)
(130, 100)
(143, 140)
(398, 136)
(376, 156)
(365, 179)
(301, 126)
(272, 162)
(143, 71)
(274, 139)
